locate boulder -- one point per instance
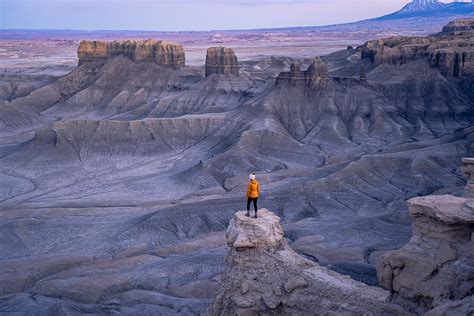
(221, 60)
(437, 264)
(264, 275)
(159, 52)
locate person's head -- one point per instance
(252, 176)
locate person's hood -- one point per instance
(253, 181)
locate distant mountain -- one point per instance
(417, 18)
(422, 6)
(430, 8)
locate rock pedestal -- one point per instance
(221, 60)
(437, 264)
(159, 52)
(264, 275)
(468, 169)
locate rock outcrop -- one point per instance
(451, 53)
(468, 170)
(437, 265)
(159, 52)
(221, 60)
(459, 25)
(315, 76)
(265, 276)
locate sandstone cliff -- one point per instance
(437, 266)
(221, 60)
(459, 25)
(265, 276)
(315, 76)
(159, 52)
(450, 51)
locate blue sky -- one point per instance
(176, 15)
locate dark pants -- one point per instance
(254, 203)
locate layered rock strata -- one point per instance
(265, 276)
(450, 52)
(159, 52)
(459, 25)
(437, 265)
(221, 60)
(315, 76)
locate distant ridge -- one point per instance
(429, 8)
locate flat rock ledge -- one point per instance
(436, 266)
(263, 275)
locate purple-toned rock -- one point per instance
(315, 76)
(468, 170)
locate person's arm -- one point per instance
(258, 189)
(248, 190)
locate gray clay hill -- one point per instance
(119, 179)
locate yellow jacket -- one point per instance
(253, 189)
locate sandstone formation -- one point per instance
(265, 276)
(437, 265)
(459, 25)
(315, 76)
(221, 60)
(448, 51)
(159, 52)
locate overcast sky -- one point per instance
(178, 15)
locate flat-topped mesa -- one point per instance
(159, 52)
(263, 275)
(459, 25)
(315, 76)
(437, 264)
(468, 170)
(452, 52)
(221, 60)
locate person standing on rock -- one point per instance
(253, 191)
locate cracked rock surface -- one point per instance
(264, 276)
(437, 265)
